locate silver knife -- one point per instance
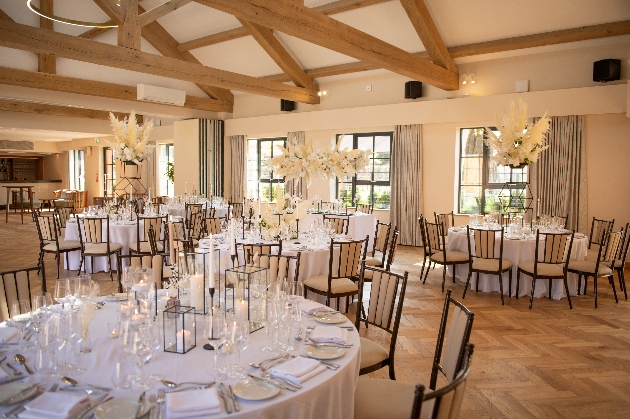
(223, 395)
(20, 394)
(140, 404)
(237, 405)
(273, 382)
(89, 411)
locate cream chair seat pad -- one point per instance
(544, 269)
(337, 286)
(63, 245)
(101, 248)
(372, 353)
(145, 247)
(377, 398)
(374, 260)
(451, 256)
(490, 264)
(589, 266)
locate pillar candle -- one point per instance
(240, 309)
(197, 291)
(232, 240)
(211, 276)
(184, 340)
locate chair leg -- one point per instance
(477, 284)
(424, 262)
(467, 283)
(454, 272)
(426, 273)
(501, 287)
(566, 289)
(585, 283)
(58, 256)
(518, 281)
(550, 284)
(531, 297)
(612, 282)
(510, 284)
(443, 278)
(109, 266)
(622, 280)
(594, 287)
(392, 374)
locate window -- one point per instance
(262, 183)
(481, 181)
(165, 153)
(77, 170)
(110, 172)
(371, 185)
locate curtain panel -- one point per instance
(238, 147)
(558, 178)
(406, 183)
(152, 170)
(296, 186)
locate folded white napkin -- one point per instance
(312, 307)
(59, 405)
(298, 369)
(331, 334)
(186, 404)
(7, 333)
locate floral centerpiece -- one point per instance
(305, 161)
(284, 212)
(520, 143)
(131, 139)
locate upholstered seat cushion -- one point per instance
(589, 266)
(451, 256)
(101, 248)
(372, 353)
(544, 269)
(376, 398)
(63, 203)
(63, 245)
(490, 265)
(374, 260)
(337, 286)
(145, 247)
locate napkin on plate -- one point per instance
(59, 405)
(311, 307)
(298, 369)
(7, 333)
(186, 404)
(332, 334)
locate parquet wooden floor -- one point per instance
(548, 362)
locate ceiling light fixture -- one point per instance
(471, 77)
(468, 78)
(108, 24)
(463, 79)
(323, 93)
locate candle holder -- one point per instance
(180, 329)
(197, 267)
(247, 284)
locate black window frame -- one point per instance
(372, 183)
(271, 181)
(110, 171)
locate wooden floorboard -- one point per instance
(548, 362)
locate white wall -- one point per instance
(186, 161)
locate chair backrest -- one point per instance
(446, 402)
(190, 210)
(505, 219)
(339, 224)
(17, 286)
(47, 227)
(598, 230)
(624, 248)
(435, 237)
(393, 245)
(235, 210)
(93, 229)
(139, 204)
(556, 248)
(99, 201)
(153, 262)
(249, 250)
(614, 246)
(365, 208)
(195, 226)
(63, 215)
(326, 206)
(210, 212)
(279, 266)
(349, 259)
(449, 356)
(423, 232)
(485, 243)
(446, 220)
(212, 225)
(381, 238)
(145, 223)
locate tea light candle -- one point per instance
(197, 291)
(140, 286)
(138, 319)
(240, 309)
(184, 340)
(113, 329)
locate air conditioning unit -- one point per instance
(163, 95)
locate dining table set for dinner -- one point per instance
(118, 356)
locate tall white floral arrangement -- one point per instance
(519, 143)
(305, 161)
(130, 139)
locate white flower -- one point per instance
(131, 139)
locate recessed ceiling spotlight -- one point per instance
(323, 93)
(464, 79)
(471, 77)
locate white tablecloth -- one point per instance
(359, 226)
(123, 234)
(516, 251)
(327, 395)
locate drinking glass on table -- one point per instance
(294, 290)
(62, 289)
(21, 319)
(240, 340)
(215, 334)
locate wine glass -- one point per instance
(21, 319)
(62, 289)
(239, 331)
(294, 290)
(216, 335)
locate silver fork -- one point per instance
(15, 371)
(160, 401)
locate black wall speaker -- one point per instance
(413, 89)
(287, 105)
(607, 70)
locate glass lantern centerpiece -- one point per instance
(247, 284)
(180, 329)
(199, 277)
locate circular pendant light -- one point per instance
(108, 24)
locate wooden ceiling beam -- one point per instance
(46, 63)
(94, 32)
(279, 54)
(583, 33)
(34, 80)
(338, 6)
(56, 110)
(427, 31)
(15, 35)
(129, 31)
(161, 10)
(319, 29)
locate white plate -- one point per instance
(325, 352)
(121, 296)
(251, 389)
(12, 389)
(124, 408)
(331, 318)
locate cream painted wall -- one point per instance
(186, 143)
(56, 168)
(607, 139)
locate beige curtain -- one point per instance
(406, 183)
(152, 170)
(238, 147)
(296, 187)
(558, 178)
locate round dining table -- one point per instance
(516, 251)
(329, 394)
(359, 225)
